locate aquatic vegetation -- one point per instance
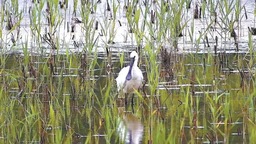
(59, 60)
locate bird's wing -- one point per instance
(139, 74)
(120, 80)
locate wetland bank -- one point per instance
(59, 60)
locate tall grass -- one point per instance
(69, 97)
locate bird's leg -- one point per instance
(132, 103)
(132, 108)
(125, 99)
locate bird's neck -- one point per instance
(135, 62)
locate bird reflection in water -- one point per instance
(130, 128)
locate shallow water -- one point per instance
(67, 41)
(68, 94)
(83, 108)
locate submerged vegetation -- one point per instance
(59, 60)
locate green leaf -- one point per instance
(137, 16)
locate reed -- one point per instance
(57, 92)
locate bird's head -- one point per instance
(134, 55)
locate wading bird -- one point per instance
(130, 77)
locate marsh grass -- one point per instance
(63, 123)
(69, 97)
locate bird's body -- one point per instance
(130, 77)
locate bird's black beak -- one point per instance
(129, 75)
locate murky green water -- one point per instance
(59, 60)
(60, 99)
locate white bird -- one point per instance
(130, 77)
